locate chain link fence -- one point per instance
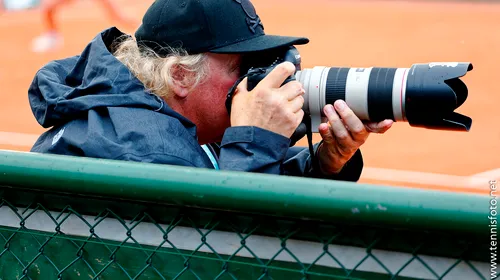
(181, 243)
(70, 235)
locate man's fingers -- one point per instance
(296, 104)
(380, 127)
(277, 76)
(292, 90)
(242, 86)
(326, 134)
(354, 124)
(339, 130)
(299, 115)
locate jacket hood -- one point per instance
(66, 89)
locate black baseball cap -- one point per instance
(217, 26)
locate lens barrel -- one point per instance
(424, 95)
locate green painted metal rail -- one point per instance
(322, 213)
(291, 196)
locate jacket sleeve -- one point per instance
(252, 149)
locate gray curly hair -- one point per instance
(154, 71)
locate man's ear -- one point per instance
(181, 81)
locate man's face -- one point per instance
(207, 101)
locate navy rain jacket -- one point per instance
(96, 108)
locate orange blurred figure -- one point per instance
(51, 39)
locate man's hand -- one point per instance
(269, 105)
(342, 135)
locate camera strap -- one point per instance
(308, 122)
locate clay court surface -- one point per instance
(342, 33)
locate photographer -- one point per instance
(160, 98)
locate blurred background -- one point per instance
(343, 33)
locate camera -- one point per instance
(424, 95)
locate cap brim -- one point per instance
(261, 43)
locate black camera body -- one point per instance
(257, 66)
(255, 75)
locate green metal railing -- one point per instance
(79, 218)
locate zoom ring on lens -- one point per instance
(336, 84)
